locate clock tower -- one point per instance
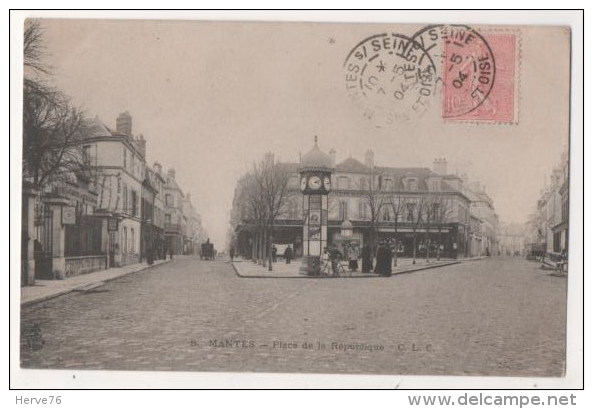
(315, 172)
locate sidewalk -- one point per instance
(46, 289)
(249, 269)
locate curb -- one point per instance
(367, 276)
(412, 270)
(78, 288)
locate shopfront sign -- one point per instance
(68, 215)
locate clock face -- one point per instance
(303, 183)
(314, 182)
(327, 183)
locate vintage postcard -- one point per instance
(303, 198)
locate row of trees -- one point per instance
(264, 192)
(421, 212)
(51, 125)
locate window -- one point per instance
(343, 182)
(435, 209)
(434, 185)
(293, 210)
(86, 154)
(386, 214)
(413, 185)
(410, 207)
(167, 218)
(168, 200)
(134, 203)
(125, 158)
(362, 210)
(125, 241)
(125, 203)
(343, 210)
(133, 242)
(388, 184)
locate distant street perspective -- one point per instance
(500, 316)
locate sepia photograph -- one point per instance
(281, 197)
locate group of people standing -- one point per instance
(288, 254)
(384, 257)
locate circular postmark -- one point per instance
(391, 77)
(466, 62)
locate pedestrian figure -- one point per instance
(232, 253)
(288, 254)
(380, 256)
(383, 265)
(336, 257)
(274, 253)
(367, 261)
(325, 260)
(171, 252)
(352, 258)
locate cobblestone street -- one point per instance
(490, 317)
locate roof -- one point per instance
(94, 128)
(316, 159)
(399, 174)
(352, 165)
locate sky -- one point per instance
(211, 98)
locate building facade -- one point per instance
(119, 166)
(109, 212)
(420, 210)
(483, 237)
(175, 221)
(548, 226)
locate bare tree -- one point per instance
(416, 212)
(428, 207)
(373, 199)
(397, 204)
(442, 212)
(52, 128)
(272, 181)
(251, 197)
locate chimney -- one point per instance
(141, 145)
(158, 168)
(123, 124)
(439, 166)
(332, 155)
(369, 158)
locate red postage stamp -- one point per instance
(480, 77)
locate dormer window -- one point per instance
(434, 184)
(343, 182)
(412, 184)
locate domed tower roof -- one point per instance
(316, 159)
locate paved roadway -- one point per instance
(490, 317)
